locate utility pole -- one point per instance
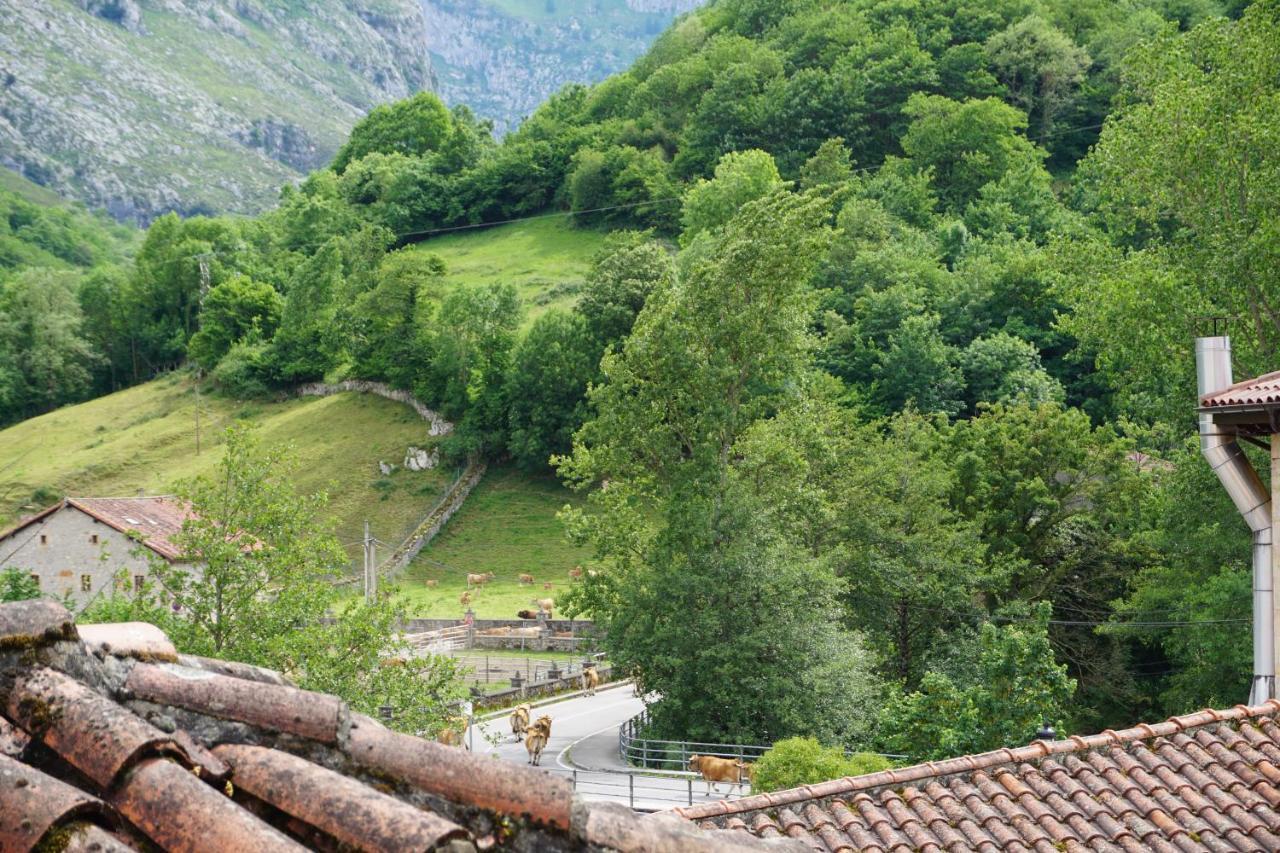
(370, 568)
(197, 411)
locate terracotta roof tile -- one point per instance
(284, 709)
(156, 520)
(33, 805)
(114, 753)
(1262, 391)
(351, 812)
(1208, 781)
(138, 640)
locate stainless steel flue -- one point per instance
(1219, 446)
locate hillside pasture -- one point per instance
(508, 526)
(546, 259)
(143, 440)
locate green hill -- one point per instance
(144, 440)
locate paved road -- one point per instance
(584, 741)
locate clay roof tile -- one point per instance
(33, 805)
(139, 640)
(353, 813)
(315, 716)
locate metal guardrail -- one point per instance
(655, 754)
(643, 791)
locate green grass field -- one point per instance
(508, 526)
(143, 440)
(546, 259)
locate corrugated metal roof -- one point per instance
(1262, 391)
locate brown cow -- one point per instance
(715, 770)
(431, 584)
(465, 599)
(520, 720)
(479, 580)
(575, 572)
(526, 579)
(590, 680)
(536, 737)
(451, 734)
(546, 605)
(527, 614)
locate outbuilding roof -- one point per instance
(109, 737)
(1208, 781)
(155, 519)
(1261, 391)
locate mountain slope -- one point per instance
(194, 105)
(504, 57)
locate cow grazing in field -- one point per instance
(451, 734)
(548, 585)
(465, 599)
(526, 580)
(520, 720)
(590, 680)
(479, 580)
(432, 584)
(546, 605)
(536, 737)
(527, 614)
(715, 770)
(575, 572)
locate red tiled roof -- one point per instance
(1208, 781)
(1262, 391)
(156, 519)
(109, 737)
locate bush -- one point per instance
(244, 371)
(803, 761)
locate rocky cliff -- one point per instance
(504, 57)
(145, 106)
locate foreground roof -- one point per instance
(157, 519)
(111, 741)
(1262, 391)
(1208, 781)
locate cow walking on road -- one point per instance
(520, 720)
(536, 737)
(715, 770)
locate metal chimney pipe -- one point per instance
(1253, 502)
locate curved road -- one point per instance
(584, 747)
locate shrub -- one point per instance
(804, 761)
(244, 371)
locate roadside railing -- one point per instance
(655, 754)
(645, 791)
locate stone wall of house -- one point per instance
(74, 555)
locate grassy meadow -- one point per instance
(144, 440)
(508, 526)
(546, 259)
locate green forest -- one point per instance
(879, 387)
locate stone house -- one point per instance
(76, 548)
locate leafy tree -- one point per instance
(740, 177)
(629, 266)
(1040, 67)
(546, 387)
(919, 369)
(307, 344)
(18, 585)
(1019, 687)
(792, 762)
(415, 126)
(1162, 192)
(698, 570)
(1001, 368)
(230, 311)
(45, 360)
(965, 144)
(391, 325)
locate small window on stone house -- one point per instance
(44, 540)
(35, 578)
(86, 583)
(137, 582)
(93, 538)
